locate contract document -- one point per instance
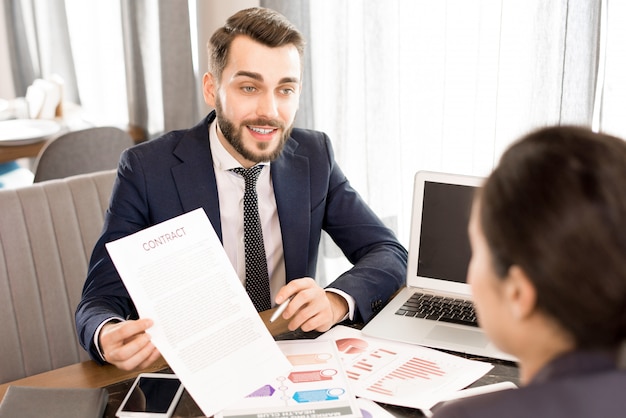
(205, 325)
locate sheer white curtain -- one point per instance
(407, 85)
(98, 47)
(610, 112)
(123, 62)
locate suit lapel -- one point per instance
(194, 176)
(290, 177)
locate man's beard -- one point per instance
(233, 135)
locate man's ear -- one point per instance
(520, 293)
(209, 89)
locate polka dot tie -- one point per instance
(257, 277)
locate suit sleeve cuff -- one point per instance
(349, 299)
(96, 335)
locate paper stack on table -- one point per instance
(402, 374)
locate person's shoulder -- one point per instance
(490, 405)
(170, 140)
(596, 394)
(307, 140)
(161, 141)
(153, 150)
(305, 133)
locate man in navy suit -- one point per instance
(254, 83)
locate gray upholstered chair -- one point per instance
(47, 232)
(83, 151)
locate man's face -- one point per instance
(256, 99)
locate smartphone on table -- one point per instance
(151, 395)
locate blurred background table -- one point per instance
(15, 152)
(24, 138)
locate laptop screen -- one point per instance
(444, 250)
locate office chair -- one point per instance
(79, 152)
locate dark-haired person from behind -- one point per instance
(548, 274)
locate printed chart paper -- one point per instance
(315, 387)
(401, 374)
(205, 325)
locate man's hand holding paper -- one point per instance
(127, 345)
(205, 325)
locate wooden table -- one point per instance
(90, 375)
(15, 152)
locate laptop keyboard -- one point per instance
(439, 308)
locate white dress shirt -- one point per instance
(231, 188)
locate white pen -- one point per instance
(280, 309)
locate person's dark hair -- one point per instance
(265, 26)
(556, 207)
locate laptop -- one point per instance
(439, 254)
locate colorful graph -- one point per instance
(401, 374)
(415, 368)
(364, 365)
(351, 345)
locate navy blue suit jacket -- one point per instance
(576, 385)
(166, 177)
